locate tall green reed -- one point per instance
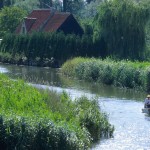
(119, 73)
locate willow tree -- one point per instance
(122, 26)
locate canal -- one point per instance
(123, 106)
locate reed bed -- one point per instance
(33, 119)
(123, 73)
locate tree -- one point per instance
(73, 6)
(90, 10)
(89, 1)
(57, 4)
(45, 3)
(27, 5)
(122, 26)
(1, 4)
(7, 2)
(10, 17)
(64, 5)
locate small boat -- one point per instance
(146, 110)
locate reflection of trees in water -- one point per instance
(101, 89)
(37, 75)
(53, 77)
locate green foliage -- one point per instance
(87, 111)
(148, 40)
(10, 17)
(91, 118)
(32, 119)
(27, 5)
(119, 73)
(73, 6)
(122, 26)
(90, 10)
(43, 134)
(8, 2)
(47, 45)
(71, 65)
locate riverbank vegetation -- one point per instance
(32, 119)
(39, 48)
(123, 73)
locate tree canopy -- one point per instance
(122, 26)
(10, 17)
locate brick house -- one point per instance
(49, 20)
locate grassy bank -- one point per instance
(32, 119)
(119, 73)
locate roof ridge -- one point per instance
(42, 9)
(50, 9)
(30, 18)
(62, 12)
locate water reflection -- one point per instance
(34, 74)
(53, 77)
(132, 128)
(3, 70)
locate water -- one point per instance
(132, 127)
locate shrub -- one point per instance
(119, 73)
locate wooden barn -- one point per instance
(49, 20)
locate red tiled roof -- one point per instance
(56, 21)
(41, 16)
(44, 18)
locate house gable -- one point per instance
(48, 20)
(70, 26)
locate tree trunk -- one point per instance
(51, 3)
(1, 4)
(64, 5)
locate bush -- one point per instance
(122, 73)
(90, 117)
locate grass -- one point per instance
(32, 119)
(123, 73)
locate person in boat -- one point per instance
(147, 102)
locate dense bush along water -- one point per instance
(119, 73)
